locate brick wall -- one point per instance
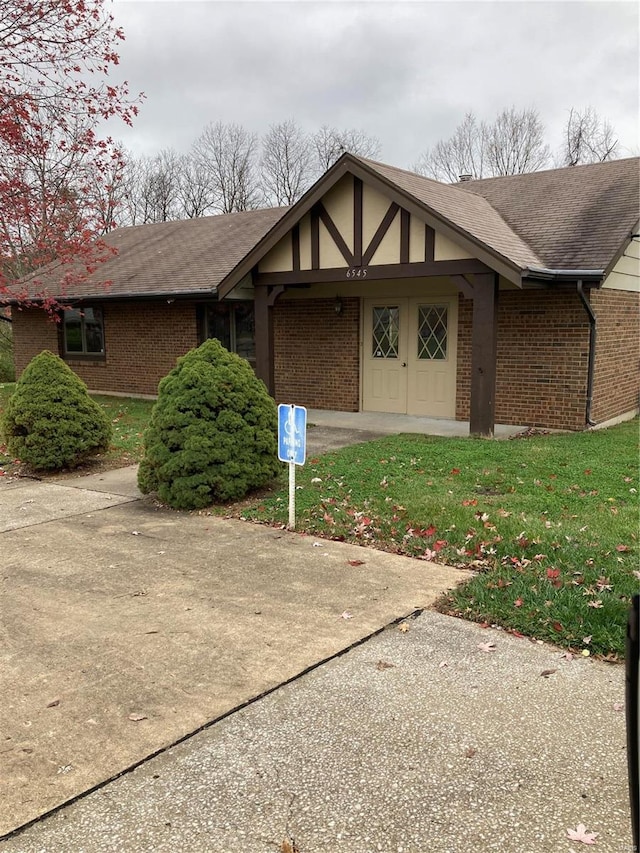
(543, 346)
(150, 336)
(324, 348)
(543, 341)
(617, 370)
(33, 332)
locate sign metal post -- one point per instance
(292, 447)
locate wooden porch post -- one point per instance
(264, 299)
(264, 337)
(484, 338)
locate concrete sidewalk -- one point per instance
(125, 627)
(411, 742)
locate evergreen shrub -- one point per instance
(50, 421)
(213, 431)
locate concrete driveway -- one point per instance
(125, 627)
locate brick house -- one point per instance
(504, 300)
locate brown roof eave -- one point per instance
(118, 297)
(347, 164)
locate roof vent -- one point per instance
(462, 178)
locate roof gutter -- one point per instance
(592, 353)
(545, 274)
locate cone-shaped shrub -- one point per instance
(213, 431)
(50, 421)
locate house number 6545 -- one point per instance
(357, 272)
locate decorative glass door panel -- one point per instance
(385, 331)
(433, 325)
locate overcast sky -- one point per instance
(405, 72)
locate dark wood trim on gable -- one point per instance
(315, 239)
(336, 236)
(357, 222)
(373, 273)
(384, 226)
(358, 169)
(429, 243)
(295, 247)
(405, 218)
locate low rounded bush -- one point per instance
(50, 421)
(213, 431)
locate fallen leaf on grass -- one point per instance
(487, 647)
(356, 562)
(580, 833)
(547, 672)
(383, 664)
(518, 602)
(136, 718)
(622, 548)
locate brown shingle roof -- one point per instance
(187, 256)
(573, 218)
(472, 213)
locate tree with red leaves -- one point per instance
(55, 170)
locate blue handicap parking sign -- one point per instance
(292, 433)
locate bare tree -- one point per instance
(587, 139)
(464, 153)
(513, 143)
(196, 191)
(230, 153)
(286, 165)
(330, 144)
(150, 188)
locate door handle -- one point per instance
(404, 363)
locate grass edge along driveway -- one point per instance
(549, 522)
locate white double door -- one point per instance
(409, 356)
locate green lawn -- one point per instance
(550, 522)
